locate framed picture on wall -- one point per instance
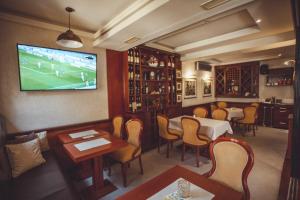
(190, 88)
(178, 86)
(207, 87)
(179, 98)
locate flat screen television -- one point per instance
(43, 68)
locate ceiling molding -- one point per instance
(250, 44)
(159, 46)
(260, 58)
(131, 9)
(187, 22)
(272, 46)
(151, 6)
(219, 38)
(42, 24)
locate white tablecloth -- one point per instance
(210, 127)
(234, 112)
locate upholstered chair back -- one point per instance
(190, 129)
(200, 112)
(134, 129)
(249, 114)
(117, 125)
(219, 114)
(232, 162)
(162, 125)
(255, 105)
(222, 104)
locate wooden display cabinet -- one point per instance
(151, 81)
(237, 80)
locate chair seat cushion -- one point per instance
(245, 121)
(204, 137)
(125, 154)
(175, 132)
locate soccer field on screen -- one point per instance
(50, 69)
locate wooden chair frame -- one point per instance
(247, 169)
(197, 147)
(169, 141)
(206, 114)
(126, 165)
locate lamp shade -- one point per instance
(69, 39)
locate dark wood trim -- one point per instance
(64, 127)
(114, 60)
(295, 5)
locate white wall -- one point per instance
(188, 71)
(282, 92)
(33, 110)
(286, 93)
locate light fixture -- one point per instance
(69, 39)
(279, 55)
(258, 21)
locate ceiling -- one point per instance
(226, 33)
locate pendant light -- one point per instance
(69, 39)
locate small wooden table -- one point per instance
(156, 184)
(100, 186)
(65, 137)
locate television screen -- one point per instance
(53, 69)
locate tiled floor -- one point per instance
(269, 148)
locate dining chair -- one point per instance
(192, 138)
(165, 133)
(117, 126)
(222, 104)
(249, 119)
(131, 151)
(220, 114)
(200, 112)
(256, 118)
(232, 161)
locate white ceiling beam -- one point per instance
(137, 15)
(159, 46)
(187, 22)
(287, 36)
(271, 46)
(219, 38)
(250, 59)
(132, 8)
(41, 24)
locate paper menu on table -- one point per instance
(83, 133)
(197, 193)
(91, 144)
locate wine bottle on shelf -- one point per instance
(172, 63)
(146, 88)
(169, 62)
(137, 57)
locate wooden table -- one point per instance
(156, 184)
(210, 127)
(100, 187)
(65, 137)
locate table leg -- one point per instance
(100, 187)
(98, 181)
